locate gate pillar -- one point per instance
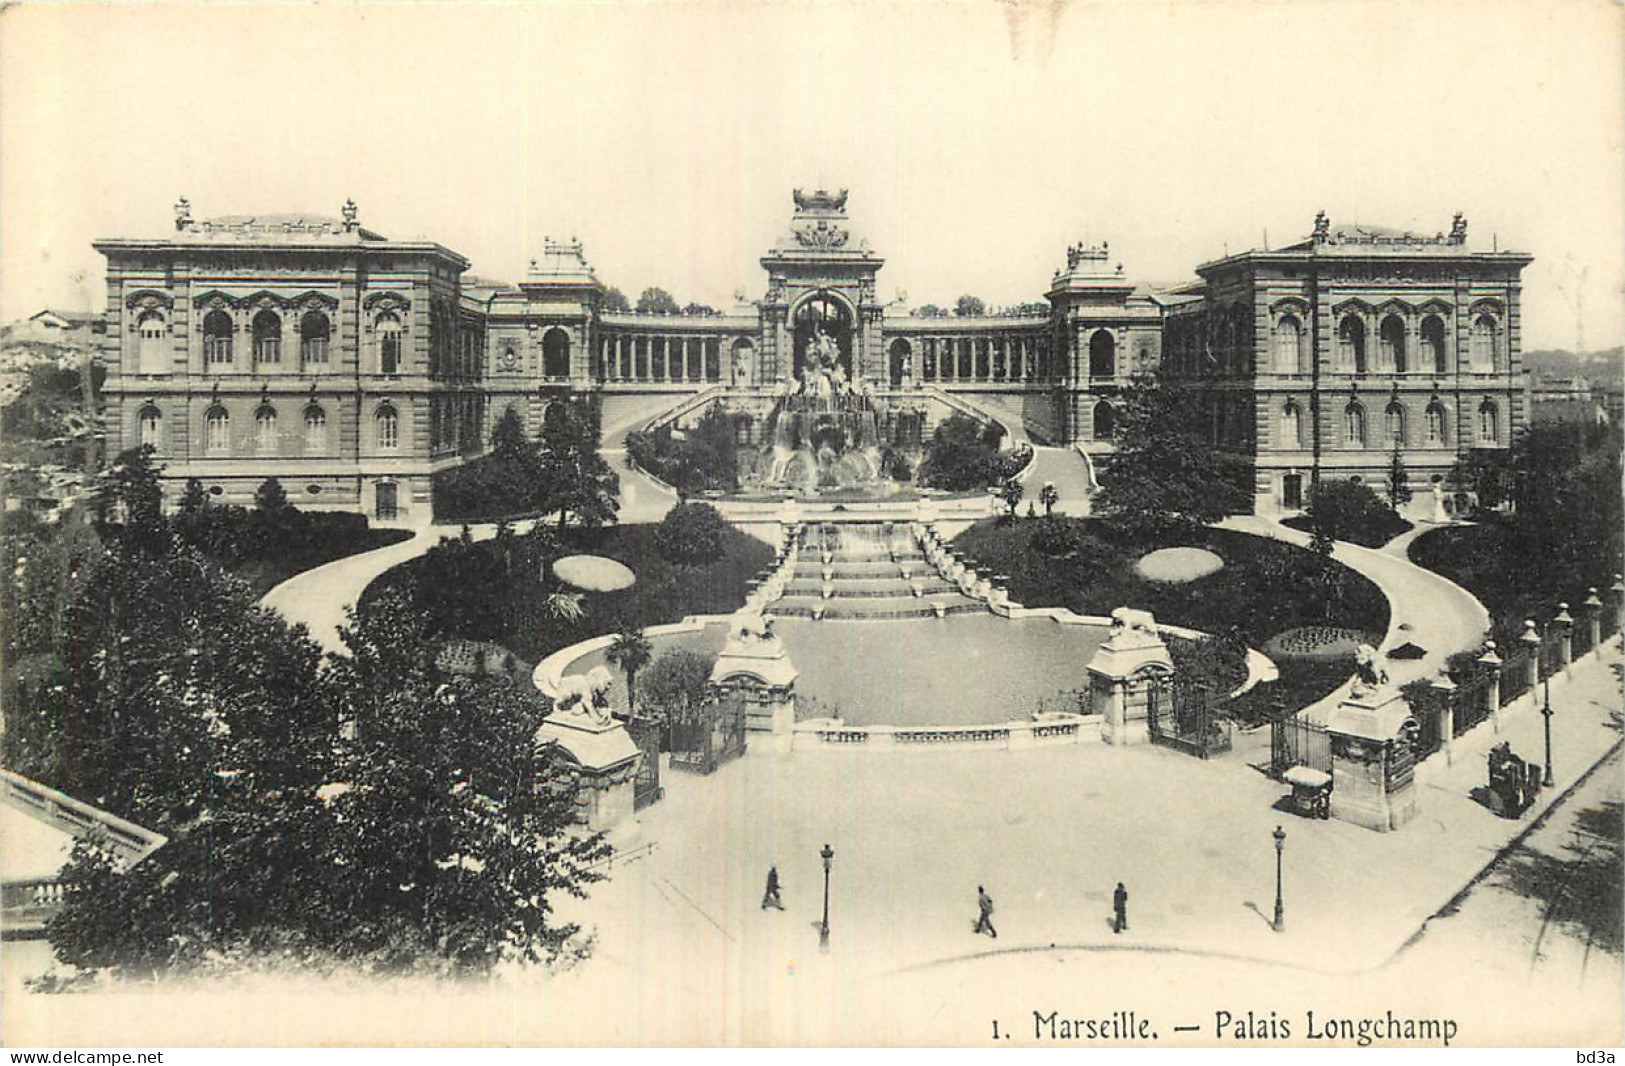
(1373, 766)
(1122, 674)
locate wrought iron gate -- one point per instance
(1181, 716)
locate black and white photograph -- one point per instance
(707, 523)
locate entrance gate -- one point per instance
(1181, 716)
(714, 734)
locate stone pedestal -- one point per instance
(605, 759)
(1125, 668)
(755, 664)
(1373, 767)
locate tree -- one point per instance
(1351, 511)
(630, 651)
(615, 299)
(1399, 489)
(657, 302)
(1163, 478)
(931, 311)
(692, 534)
(1011, 492)
(193, 499)
(508, 440)
(129, 504)
(676, 684)
(961, 455)
(271, 499)
(1049, 496)
(574, 478)
(693, 308)
(968, 306)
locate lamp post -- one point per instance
(1546, 713)
(823, 927)
(1280, 917)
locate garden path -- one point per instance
(1070, 473)
(1444, 618)
(319, 599)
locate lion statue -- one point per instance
(751, 626)
(1368, 671)
(1131, 622)
(586, 694)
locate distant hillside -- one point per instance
(1599, 366)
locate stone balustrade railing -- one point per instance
(1043, 730)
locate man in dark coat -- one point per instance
(770, 897)
(984, 910)
(1120, 909)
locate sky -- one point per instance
(978, 139)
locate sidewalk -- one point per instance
(1049, 832)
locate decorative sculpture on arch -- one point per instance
(751, 626)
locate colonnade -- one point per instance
(660, 357)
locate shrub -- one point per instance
(692, 534)
(1349, 510)
(1057, 539)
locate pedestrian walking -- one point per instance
(770, 895)
(1120, 909)
(984, 913)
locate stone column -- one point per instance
(1491, 664)
(1531, 640)
(1445, 689)
(1593, 616)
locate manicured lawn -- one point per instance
(494, 590)
(1265, 587)
(266, 571)
(1485, 560)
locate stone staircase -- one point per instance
(861, 570)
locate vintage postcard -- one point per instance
(981, 524)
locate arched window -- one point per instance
(1486, 344)
(217, 431)
(217, 330)
(387, 428)
(388, 328)
(1102, 355)
(152, 332)
(1289, 353)
(267, 339)
(1291, 426)
(1351, 344)
(1105, 421)
(315, 430)
(556, 353)
(1433, 350)
(1435, 421)
(314, 332)
(265, 440)
(1354, 425)
(1394, 423)
(1392, 335)
(1489, 423)
(150, 422)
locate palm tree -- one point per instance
(1049, 496)
(565, 606)
(631, 651)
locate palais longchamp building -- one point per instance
(352, 367)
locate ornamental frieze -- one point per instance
(386, 301)
(149, 300)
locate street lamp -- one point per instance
(1280, 843)
(823, 927)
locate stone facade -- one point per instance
(1319, 356)
(352, 367)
